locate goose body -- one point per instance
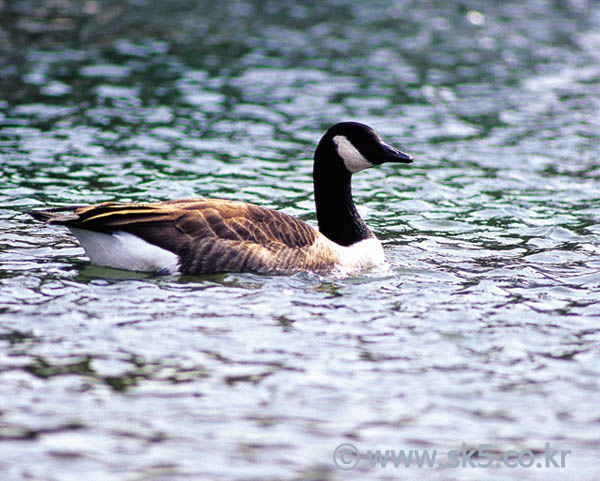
(197, 236)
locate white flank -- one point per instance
(353, 159)
(123, 250)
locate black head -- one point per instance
(359, 147)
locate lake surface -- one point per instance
(483, 328)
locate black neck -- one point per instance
(338, 218)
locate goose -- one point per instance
(205, 235)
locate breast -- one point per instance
(361, 255)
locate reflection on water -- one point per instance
(481, 329)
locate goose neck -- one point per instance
(336, 213)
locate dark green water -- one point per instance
(483, 328)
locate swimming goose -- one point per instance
(198, 236)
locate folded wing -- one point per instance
(208, 235)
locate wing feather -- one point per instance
(209, 235)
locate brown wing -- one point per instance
(197, 219)
(209, 235)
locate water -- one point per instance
(482, 329)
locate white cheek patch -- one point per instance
(353, 159)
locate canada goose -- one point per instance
(197, 236)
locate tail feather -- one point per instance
(56, 215)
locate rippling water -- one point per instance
(484, 327)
